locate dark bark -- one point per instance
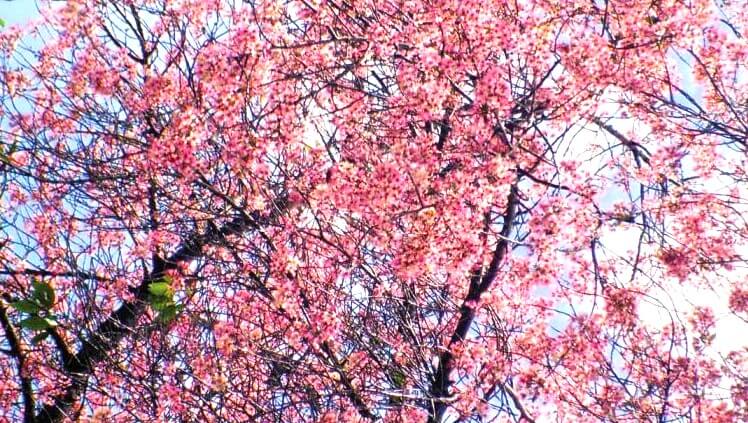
(95, 348)
(18, 351)
(480, 282)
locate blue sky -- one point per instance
(18, 11)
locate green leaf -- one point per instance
(169, 313)
(161, 304)
(398, 378)
(37, 323)
(26, 306)
(2, 22)
(43, 294)
(39, 337)
(159, 289)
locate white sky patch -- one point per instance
(670, 299)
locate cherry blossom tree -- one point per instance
(365, 210)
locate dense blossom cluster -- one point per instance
(364, 210)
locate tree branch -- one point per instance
(480, 282)
(18, 350)
(123, 321)
(350, 391)
(517, 402)
(46, 273)
(636, 148)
